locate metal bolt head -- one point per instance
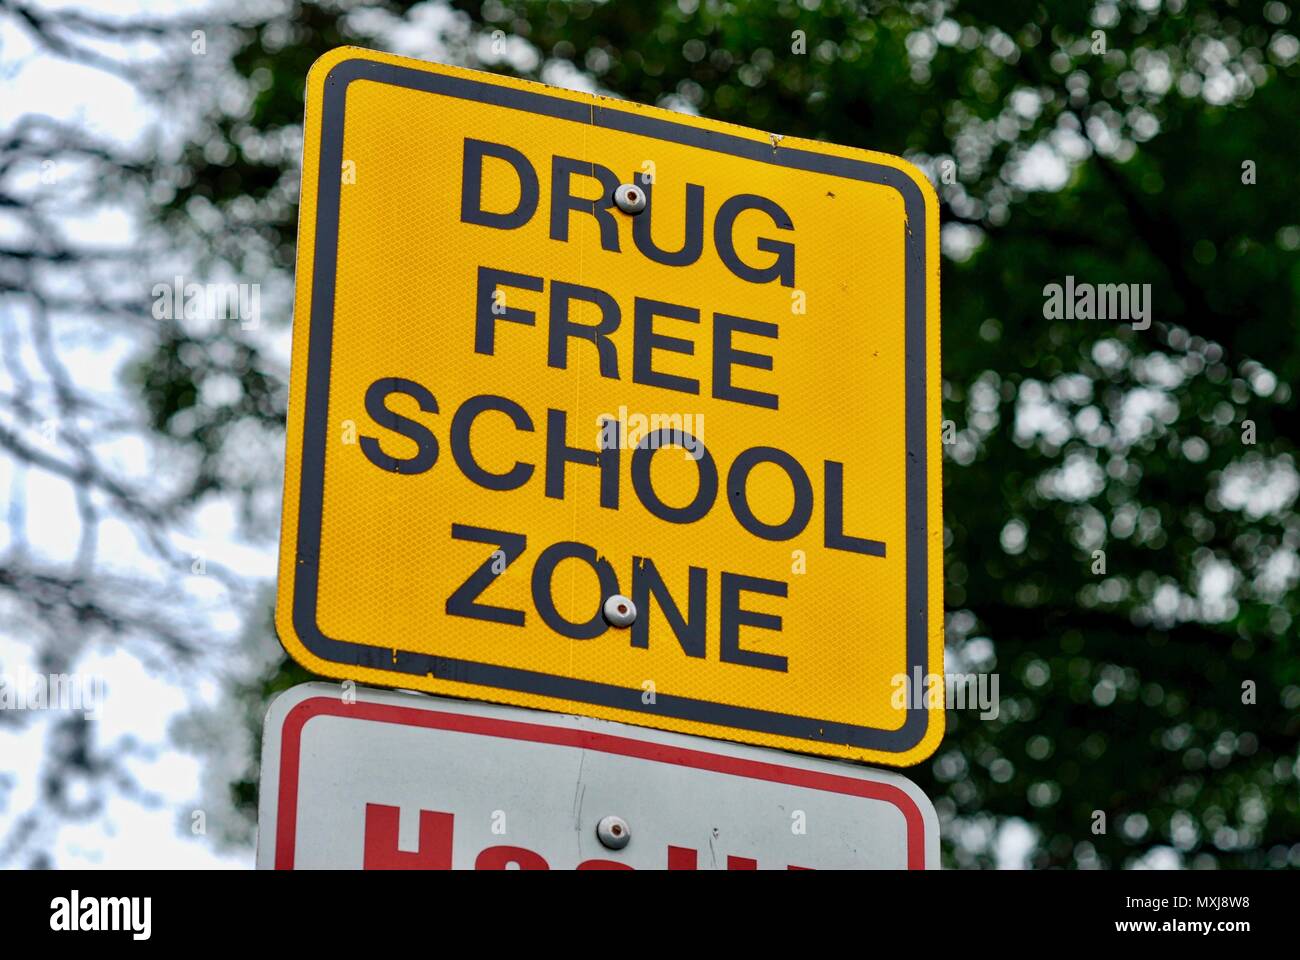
(620, 611)
(630, 198)
(613, 832)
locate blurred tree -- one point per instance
(1121, 544)
(72, 285)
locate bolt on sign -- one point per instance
(354, 778)
(609, 410)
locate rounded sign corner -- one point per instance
(323, 65)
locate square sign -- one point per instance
(369, 779)
(609, 410)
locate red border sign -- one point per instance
(643, 749)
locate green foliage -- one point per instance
(1121, 692)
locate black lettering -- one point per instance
(463, 422)
(737, 478)
(645, 341)
(705, 493)
(724, 239)
(488, 313)
(835, 537)
(689, 631)
(427, 445)
(510, 546)
(733, 618)
(544, 570)
(692, 234)
(725, 356)
(562, 328)
(563, 201)
(558, 453)
(471, 186)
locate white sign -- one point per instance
(358, 778)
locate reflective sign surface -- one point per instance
(519, 392)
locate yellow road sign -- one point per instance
(552, 350)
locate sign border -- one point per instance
(636, 121)
(293, 709)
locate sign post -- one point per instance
(607, 410)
